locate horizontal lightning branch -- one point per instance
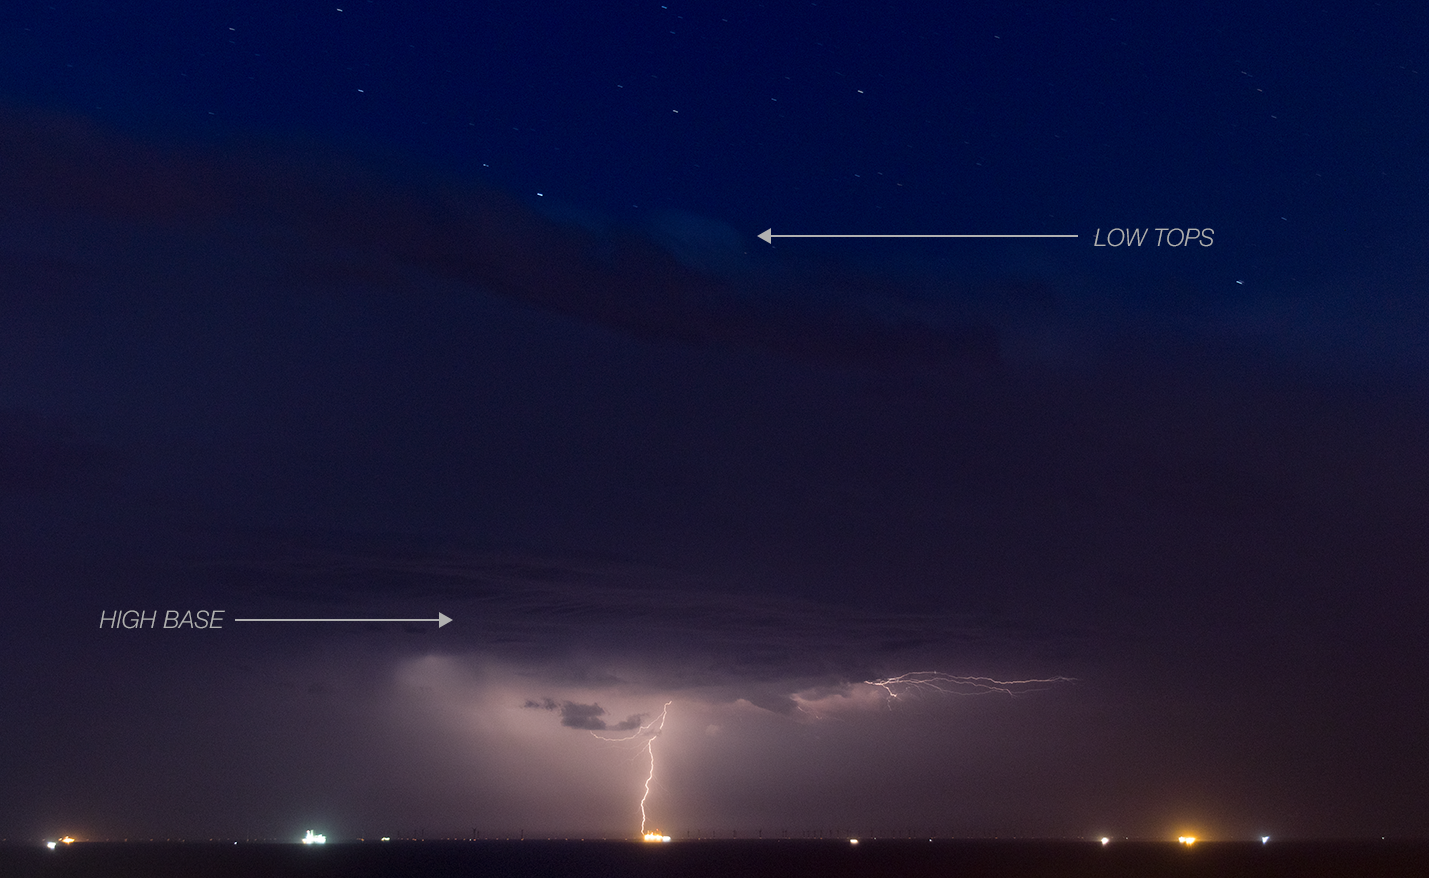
(949, 684)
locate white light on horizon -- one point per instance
(1105, 841)
(1264, 839)
(314, 839)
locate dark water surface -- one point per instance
(901, 857)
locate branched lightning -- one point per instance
(650, 731)
(948, 684)
(650, 749)
(902, 685)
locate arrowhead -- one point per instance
(442, 619)
(767, 235)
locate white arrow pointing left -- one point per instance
(768, 236)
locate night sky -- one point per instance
(383, 310)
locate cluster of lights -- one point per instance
(652, 835)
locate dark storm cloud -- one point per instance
(662, 629)
(588, 717)
(337, 223)
(634, 721)
(585, 716)
(582, 716)
(308, 218)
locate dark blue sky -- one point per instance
(383, 310)
(1024, 117)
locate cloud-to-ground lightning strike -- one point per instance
(949, 684)
(650, 730)
(893, 687)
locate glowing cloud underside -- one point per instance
(916, 682)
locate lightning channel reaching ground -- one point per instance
(650, 731)
(914, 682)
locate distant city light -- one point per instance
(50, 845)
(853, 841)
(655, 836)
(314, 839)
(1105, 840)
(386, 838)
(68, 839)
(1264, 839)
(1187, 840)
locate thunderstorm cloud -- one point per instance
(585, 716)
(646, 463)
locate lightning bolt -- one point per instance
(948, 684)
(650, 730)
(650, 749)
